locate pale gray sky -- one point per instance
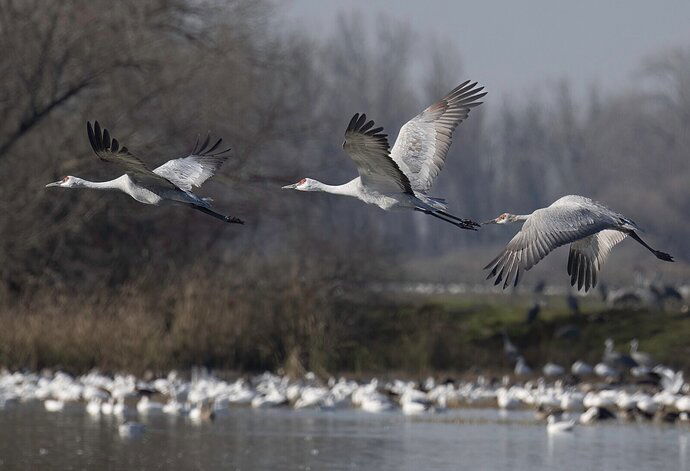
(515, 46)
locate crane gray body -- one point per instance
(400, 178)
(590, 228)
(172, 182)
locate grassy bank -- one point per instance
(459, 335)
(296, 330)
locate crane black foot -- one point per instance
(233, 220)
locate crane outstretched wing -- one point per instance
(423, 142)
(588, 255)
(545, 230)
(369, 149)
(197, 167)
(109, 150)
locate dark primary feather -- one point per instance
(174, 174)
(368, 147)
(587, 256)
(109, 150)
(203, 149)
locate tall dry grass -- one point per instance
(248, 314)
(308, 319)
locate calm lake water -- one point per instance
(245, 439)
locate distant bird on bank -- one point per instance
(573, 304)
(402, 177)
(509, 348)
(540, 288)
(533, 312)
(615, 358)
(591, 228)
(641, 358)
(552, 369)
(172, 182)
(580, 368)
(521, 367)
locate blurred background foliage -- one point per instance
(91, 279)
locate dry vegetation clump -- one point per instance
(282, 311)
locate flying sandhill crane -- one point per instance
(401, 177)
(172, 182)
(590, 228)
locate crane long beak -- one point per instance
(290, 187)
(53, 184)
(490, 221)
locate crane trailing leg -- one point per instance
(657, 253)
(442, 215)
(210, 212)
(460, 220)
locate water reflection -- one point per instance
(31, 438)
(683, 440)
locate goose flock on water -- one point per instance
(393, 178)
(562, 399)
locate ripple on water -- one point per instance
(31, 437)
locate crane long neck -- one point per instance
(115, 184)
(347, 189)
(521, 217)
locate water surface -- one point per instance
(31, 438)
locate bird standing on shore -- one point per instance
(401, 177)
(533, 312)
(615, 358)
(641, 358)
(591, 228)
(521, 367)
(172, 182)
(509, 349)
